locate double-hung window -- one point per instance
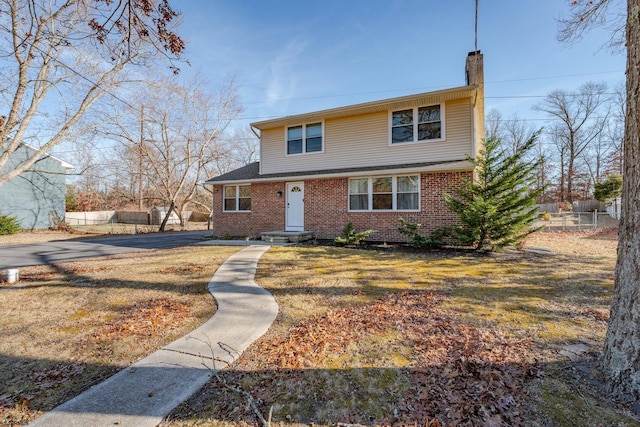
(304, 139)
(407, 192)
(417, 124)
(237, 198)
(359, 194)
(385, 193)
(382, 193)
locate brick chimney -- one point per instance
(474, 72)
(474, 69)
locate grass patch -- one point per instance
(119, 228)
(67, 326)
(377, 338)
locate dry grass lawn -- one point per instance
(66, 327)
(440, 338)
(38, 236)
(80, 232)
(372, 337)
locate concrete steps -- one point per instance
(286, 236)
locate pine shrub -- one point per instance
(435, 239)
(8, 225)
(497, 209)
(350, 236)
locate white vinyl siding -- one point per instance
(363, 140)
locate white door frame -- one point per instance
(294, 217)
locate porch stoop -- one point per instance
(286, 236)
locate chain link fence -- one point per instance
(567, 221)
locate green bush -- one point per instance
(435, 239)
(608, 189)
(9, 224)
(498, 208)
(350, 236)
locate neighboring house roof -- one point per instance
(47, 155)
(251, 172)
(36, 197)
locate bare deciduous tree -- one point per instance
(493, 124)
(615, 132)
(582, 116)
(58, 58)
(513, 133)
(182, 139)
(516, 133)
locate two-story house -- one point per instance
(368, 164)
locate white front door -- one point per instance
(295, 206)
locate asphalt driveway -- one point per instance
(12, 256)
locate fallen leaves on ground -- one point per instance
(187, 268)
(143, 320)
(67, 326)
(454, 373)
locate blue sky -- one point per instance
(291, 57)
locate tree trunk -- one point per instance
(621, 357)
(562, 176)
(570, 173)
(166, 217)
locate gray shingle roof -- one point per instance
(251, 172)
(248, 172)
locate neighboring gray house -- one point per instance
(36, 197)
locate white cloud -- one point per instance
(283, 77)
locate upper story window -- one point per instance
(417, 124)
(237, 198)
(304, 139)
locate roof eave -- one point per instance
(454, 165)
(369, 107)
(64, 164)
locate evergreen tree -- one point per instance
(497, 208)
(608, 189)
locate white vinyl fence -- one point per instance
(90, 218)
(613, 208)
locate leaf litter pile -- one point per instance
(146, 319)
(450, 373)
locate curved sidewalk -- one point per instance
(142, 394)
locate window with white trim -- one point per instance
(417, 124)
(385, 193)
(359, 194)
(237, 198)
(303, 139)
(382, 193)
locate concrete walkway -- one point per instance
(142, 394)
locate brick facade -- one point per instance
(326, 209)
